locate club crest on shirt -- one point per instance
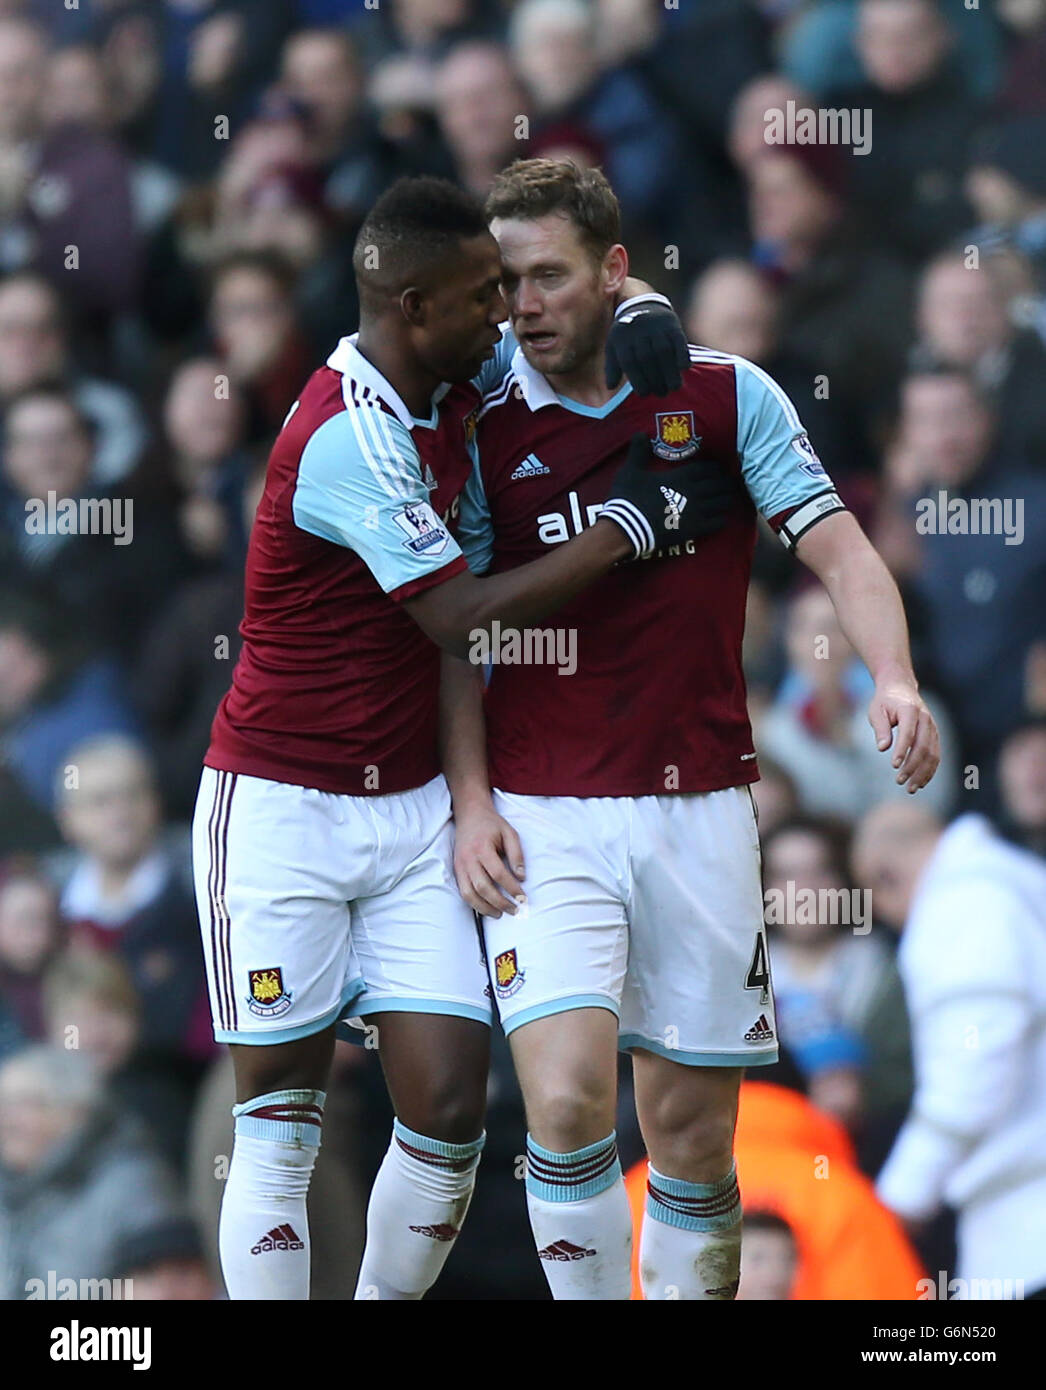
(268, 997)
(426, 534)
(508, 977)
(810, 464)
(470, 424)
(675, 438)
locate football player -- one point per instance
(622, 786)
(322, 846)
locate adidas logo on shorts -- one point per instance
(760, 1031)
(283, 1237)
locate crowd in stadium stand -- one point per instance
(180, 186)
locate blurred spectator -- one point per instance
(839, 1004)
(61, 188)
(205, 421)
(818, 730)
(90, 1003)
(734, 308)
(77, 93)
(978, 590)
(819, 48)
(479, 103)
(125, 893)
(112, 562)
(973, 960)
(184, 669)
(164, 1263)
(1023, 88)
(35, 351)
(844, 300)
(320, 69)
(258, 337)
(1006, 185)
(424, 28)
(908, 185)
(31, 934)
(52, 694)
(963, 321)
(769, 1258)
(69, 1167)
(1022, 786)
(554, 47)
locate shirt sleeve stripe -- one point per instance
(429, 581)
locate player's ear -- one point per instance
(412, 305)
(615, 269)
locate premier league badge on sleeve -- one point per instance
(426, 534)
(675, 438)
(268, 998)
(809, 463)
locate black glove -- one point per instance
(648, 344)
(670, 506)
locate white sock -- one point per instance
(581, 1220)
(417, 1207)
(263, 1234)
(690, 1246)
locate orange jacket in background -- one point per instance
(799, 1163)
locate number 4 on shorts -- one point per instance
(758, 976)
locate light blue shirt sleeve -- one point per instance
(360, 485)
(494, 372)
(780, 467)
(475, 528)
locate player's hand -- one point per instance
(669, 506)
(647, 343)
(898, 705)
(488, 862)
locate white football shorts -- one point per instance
(648, 906)
(315, 905)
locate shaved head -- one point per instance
(410, 235)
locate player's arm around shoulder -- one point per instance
(872, 617)
(488, 857)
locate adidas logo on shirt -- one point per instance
(564, 1250)
(760, 1031)
(531, 467)
(283, 1237)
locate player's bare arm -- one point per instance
(872, 617)
(488, 856)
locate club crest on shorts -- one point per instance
(508, 977)
(675, 438)
(268, 998)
